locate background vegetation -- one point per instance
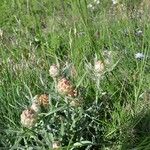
(38, 33)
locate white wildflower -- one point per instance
(90, 6)
(139, 56)
(54, 71)
(28, 118)
(96, 1)
(99, 66)
(114, 2)
(139, 32)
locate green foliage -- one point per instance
(115, 109)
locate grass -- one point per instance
(115, 109)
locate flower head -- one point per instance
(64, 87)
(99, 66)
(139, 32)
(43, 100)
(139, 56)
(28, 118)
(54, 71)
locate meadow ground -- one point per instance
(74, 74)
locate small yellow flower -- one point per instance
(54, 71)
(64, 87)
(28, 118)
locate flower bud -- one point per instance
(43, 100)
(54, 71)
(28, 118)
(99, 67)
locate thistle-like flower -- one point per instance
(99, 66)
(54, 71)
(64, 87)
(28, 118)
(43, 100)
